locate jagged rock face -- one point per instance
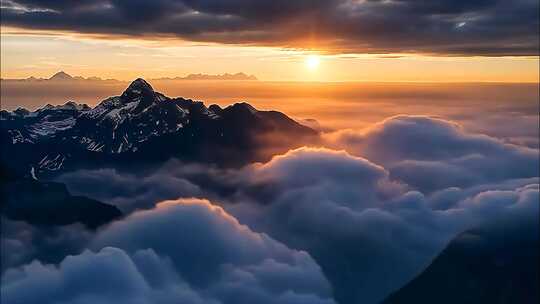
(124, 123)
(140, 125)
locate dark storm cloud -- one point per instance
(483, 27)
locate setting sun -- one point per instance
(312, 62)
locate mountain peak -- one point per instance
(140, 82)
(243, 106)
(139, 86)
(61, 76)
(141, 91)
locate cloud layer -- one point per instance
(482, 27)
(325, 225)
(431, 153)
(205, 256)
(371, 218)
(368, 232)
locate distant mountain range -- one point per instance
(226, 76)
(143, 126)
(63, 76)
(60, 76)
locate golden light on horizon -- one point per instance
(312, 62)
(26, 53)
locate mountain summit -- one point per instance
(61, 76)
(145, 126)
(139, 91)
(138, 87)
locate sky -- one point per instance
(426, 114)
(342, 40)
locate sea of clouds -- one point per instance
(347, 221)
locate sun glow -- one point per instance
(312, 62)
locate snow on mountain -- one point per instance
(122, 123)
(141, 121)
(70, 105)
(115, 125)
(46, 127)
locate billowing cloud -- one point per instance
(486, 27)
(369, 234)
(21, 243)
(205, 239)
(109, 276)
(205, 256)
(374, 217)
(323, 174)
(134, 190)
(431, 153)
(369, 224)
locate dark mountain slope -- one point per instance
(494, 264)
(49, 203)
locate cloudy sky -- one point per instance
(402, 164)
(349, 40)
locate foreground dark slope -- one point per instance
(495, 264)
(143, 127)
(49, 203)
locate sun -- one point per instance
(312, 62)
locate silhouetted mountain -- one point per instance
(61, 76)
(495, 264)
(49, 203)
(58, 77)
(226, 76)
(144, 126)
